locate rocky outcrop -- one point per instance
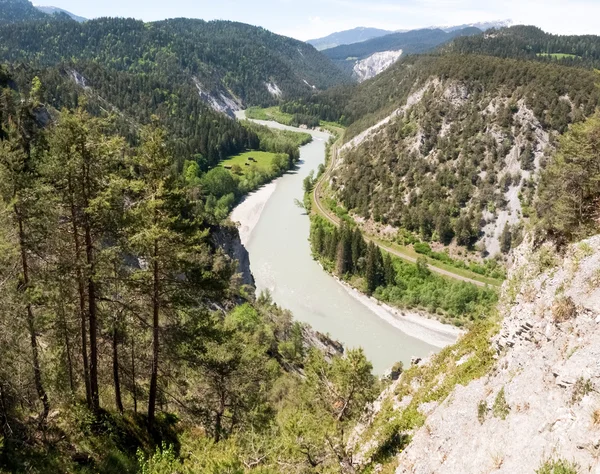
(227, 238)
(375, 64)
(540, 399)
(220, 100)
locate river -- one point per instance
(281, 261)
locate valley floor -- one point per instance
(248, 213)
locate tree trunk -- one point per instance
(155, 337)
(133, 374)
(93, 318)
(91, 290)
(65, 329)
(37, 373)
(82, 302)
(115, 344)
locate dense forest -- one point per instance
(12, 11)
(237, 60)
(532, 43)
(124, 332)
(461, 162)
(404, 285)
(360, 106)
(195, 130)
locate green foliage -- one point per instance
(482, 410)
(569, 191)
(500, 408)
(530, 42)
(17, 11)
(242, 58)
(163, 461)
(581, 388)
(395, 281)
(558, 466)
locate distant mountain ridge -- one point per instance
(355, 35)
(349, 57)
(16, 11)
(53, 10)
(483, 26)
(243, 63)
(362, 33)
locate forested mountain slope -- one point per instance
(456, 144)
(245, 64)
(530, 42)
(460, 157)
(189, 73)
(13, 11)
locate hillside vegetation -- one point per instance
(224, 56)
(128, 343)
(12, 11)
(532, 43)
(458, 156)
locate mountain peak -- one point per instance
(49, 10)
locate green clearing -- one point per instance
(559, 55)
(270, 113)
(264, 160)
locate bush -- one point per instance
(501, 407)
(581, 388)
(482, 410)
(422, 248)
(563, 309)
(559, 466)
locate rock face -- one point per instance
(541, 400)
(375, 64)
(228, 239)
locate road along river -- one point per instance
(275, 232)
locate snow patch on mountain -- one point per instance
(375, 64)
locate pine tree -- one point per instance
(80, 165)
(506, 239)
(389, 273)
(374, 269)
(20, 191)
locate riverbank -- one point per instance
(275, 232)
(247, 215)
(248, 212)
(409, 322)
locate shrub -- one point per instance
(581, 388)
(596, 417)
(163, 461)
(501, 407)
(559, 466)
(422, 248)
(482, 410)
(563, 309)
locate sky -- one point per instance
(308, 19)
